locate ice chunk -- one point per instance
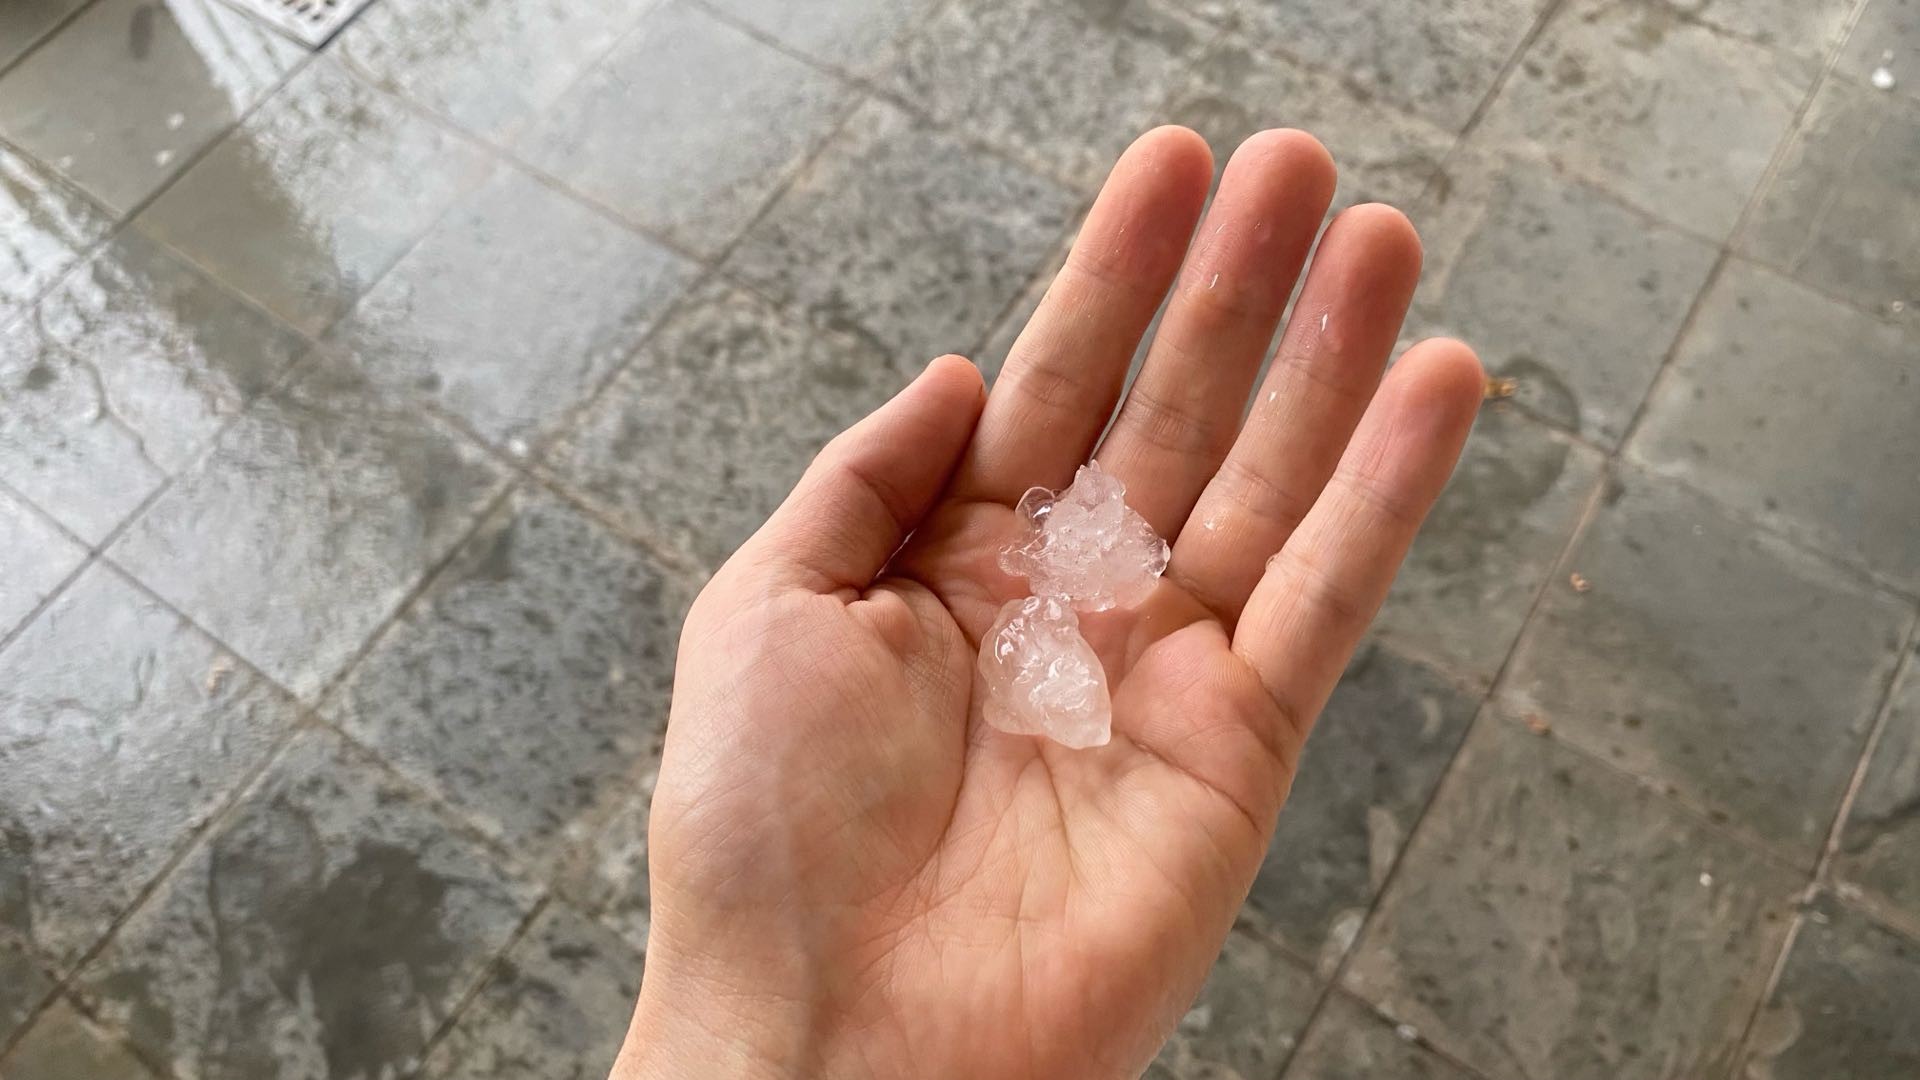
(1085, 545)
(1042, 678)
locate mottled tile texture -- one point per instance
(369, 418)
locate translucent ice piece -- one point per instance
(1085, 545)
(1042, 678)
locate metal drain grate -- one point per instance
(312, 21)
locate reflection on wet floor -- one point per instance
(370, 413)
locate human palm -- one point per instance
(854, 875)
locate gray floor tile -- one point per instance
(688, 126)
(1348, 1042)
(310, 520)
(1798, 410)
(1247, 1019)
(608, 875)
(1437, 59)
(948, 237)
(126, 370)
(1673, 116)
(64, 1045)
(1063, 86)
(1494, 536)
(530, 681)
(568, 295)
(1880, 844)
(492, 66)
(1383, 154)
(705, 432)
(1844, 1006)
(121, 731)
(857, 36)
(1807, 28)
(131, 90)
(1886, 36)
(1559, 288)
(1376, 753)
(1712, 660)
(39, 558)
(24, 22)
(1553, 918)
(325, 930)
(317, 194)
(1843, 213)
(557, 1009)
(23, 983)
(45, 227)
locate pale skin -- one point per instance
(852, 875)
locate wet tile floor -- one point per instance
(369, 416)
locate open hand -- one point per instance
(854, 876)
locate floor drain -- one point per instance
(312, 21)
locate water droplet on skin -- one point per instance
(1272, 394)
(1323, 321)
(1215, 281)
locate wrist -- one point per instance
(686, 1028)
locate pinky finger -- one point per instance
(1320, 592)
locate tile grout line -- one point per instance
(1486, 698)
(490, 973)
(1906, 667)
(1484, 713)
(59, 26)
(1776, 160)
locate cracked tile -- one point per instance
(45, 227)
(557, 1008)
(1065, 86)
(314, 514)
(123, 374)
(529, 684)
(491, 66)
(122, 730)
(1672, 116)
(1819, 452)
(1572, 296)
(1247, 1018)
(1880, 844)
(949, 237)
(1493, 538)
(1712, 660)
(1553, 918)
(687, 127)
(39, 558)
(1842, 213)
(326, 930)
(707, 430)
(65, 1045)
(315, 196)
(131, 90)
(567, 296)
(1844, 1006)
(1369, 768)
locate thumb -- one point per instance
(873, 483)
